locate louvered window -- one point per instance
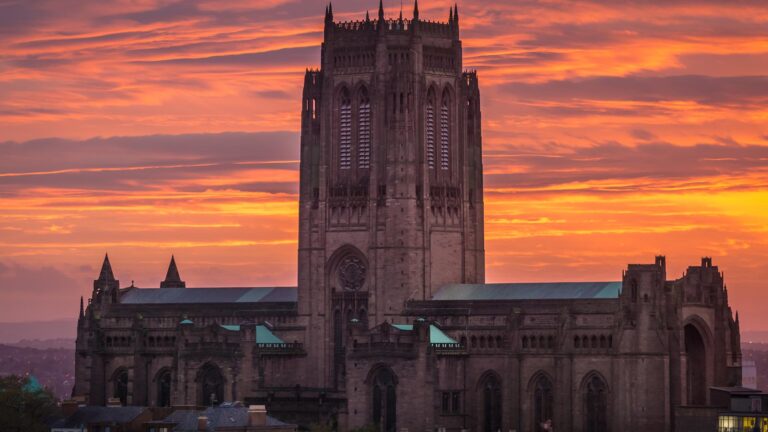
(444, 136)
(345, 134)
(430, 114)
(364, 133)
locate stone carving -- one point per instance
(351, 273)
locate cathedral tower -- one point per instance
(391, 204)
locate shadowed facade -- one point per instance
(391, 323)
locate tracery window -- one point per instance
(164, 389)
(491, 404)
(444, 132)
(384, 401)
(542, 401)
(121, 386)
(364, 131)
(596, 401)
(345, 131)
(430, 129)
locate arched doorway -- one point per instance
(120, 386)
(211, 383)
(696, 366)
(384, 400)
(490, 411)
(542, 401)
(164, 388)
(596, 404)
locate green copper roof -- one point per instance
(263, 334)
(530, 291)
(186, 321)
(436, 336)
(32, 385)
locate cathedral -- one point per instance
(391, 324)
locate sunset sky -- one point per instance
(613, 131)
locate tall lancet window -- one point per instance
(444, 132)
(364, 131)
(430, 129)
(345, 131)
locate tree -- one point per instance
(24, 406)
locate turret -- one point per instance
(172, 278)
(106, 286)
(416, 10)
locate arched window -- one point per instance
(445, 131)
(576, 342)
(211, 385)
(429, 130)
(120, 384)
(363, 130)
(345, 131)
(593, 339)
(384, 401)
(596, 405)
(164, 388)
(542, 401)
(491, 408)
(525, 341)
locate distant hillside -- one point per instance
(54, 368)
(56, 329)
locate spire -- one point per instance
(381, 10)
(172, 278)
(330, 11)
(416, 10)
(367, 17)
(106, 270)
(450, 15)
(82, 312)
(456, 12)
(737, 318)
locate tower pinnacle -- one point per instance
(172, 278)
(381, 11)
(106, 270)
(416, 10)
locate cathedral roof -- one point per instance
(530, 291)
(208, 295)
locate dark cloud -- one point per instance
(652, 163)
(286, 56)
(744, 90)
(642, 134)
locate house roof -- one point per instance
(219, 417)
(436, 336)
(529, 291)
(99, 414)
(208, 295)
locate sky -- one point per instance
(612, 132)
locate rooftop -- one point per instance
(208, 295)
(530, 291)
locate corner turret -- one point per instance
(172, 278)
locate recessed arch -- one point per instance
(541, 393)
(163, 382)
(697, 348)
(120, 385)
(595, 402)
(382, 383)
(210, 382)
(489, 388)
(347, 269)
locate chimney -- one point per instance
(202, 424)
(257, 415)
(70, 406)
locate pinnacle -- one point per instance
(106, 270)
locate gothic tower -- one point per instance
(391, 204)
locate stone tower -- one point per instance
(391, 204)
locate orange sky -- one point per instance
(613, 131)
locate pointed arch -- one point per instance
(697, 346)
(489, 390)
(120, 385)
(163, 380)
(382, 382)
(541, 391)
(210, 382)
(347, 269)
(595, 401)
(363, 128)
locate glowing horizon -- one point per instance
(612, 133)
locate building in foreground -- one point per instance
(392, 322)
